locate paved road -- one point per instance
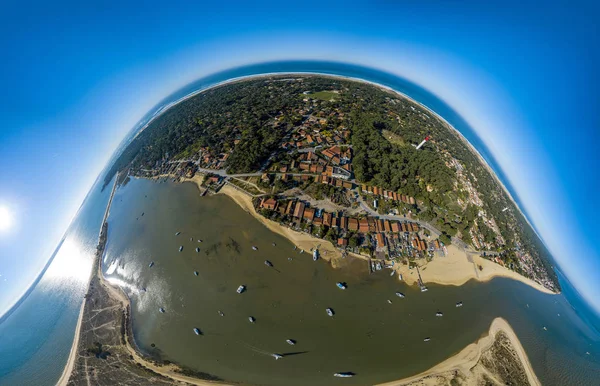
(456, 241)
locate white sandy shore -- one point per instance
(380, 86)
(66, 374)
(451, 271)
(467, 359)
(456, 268)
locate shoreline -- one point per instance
(468, 358)
(66, 374)
(454, 269)
(464, 361)
(470, 146)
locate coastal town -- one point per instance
(311, 174)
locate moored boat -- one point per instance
(459, 304)
(196, 273)
(180, 248)
(151, 264)
(268, 263)
(290, 341)
(400, 294)
(251, 319)
(197, 331)
(329, 311)
(197, 249)
(254, 248)
(315, 254)
(241, 289)
(162, 310)
(345, 374)
(427, 339)
(389, 301)
(177, 234)
(341, 285)
(277, 356)
(439, 314)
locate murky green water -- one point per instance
(368, 336)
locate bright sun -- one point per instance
(5, 219)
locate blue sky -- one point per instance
(77, 76)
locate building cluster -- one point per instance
(209, 160)
(311, 133)
(311, 162)
(377, 191)
(388, 237)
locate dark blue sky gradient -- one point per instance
(77, 76)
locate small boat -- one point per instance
(221, 313)
(151, 264)
(545, 329)
(389, 301)
(459, 304)
(315, 254)
(439, 314)
(197, 249)
(199, 240)
(197, 331)
(254, 248)
(400, 277)
(180, 248)
(302, 251)
(191, 239)
(241, 289)
(424, 289)
(162, 310)
(177, 234)
(268, 263)
(378, 266)
(277, 356)
(196, 273)
(295, 247)
(400, 294)
(290, 341)
(273, 244)
(341, 285)
(329, 311)
(392, 273)
(344, 375)
(426, 339)
(251, 319)
(143, 289)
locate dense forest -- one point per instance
(253, 117)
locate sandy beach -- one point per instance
(456, 268)
(467, 361)
(66, 374)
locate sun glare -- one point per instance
(5, 219)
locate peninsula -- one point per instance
(341, 168)
(360, 166)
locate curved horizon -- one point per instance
(401, 85)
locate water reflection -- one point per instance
(70, 266)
